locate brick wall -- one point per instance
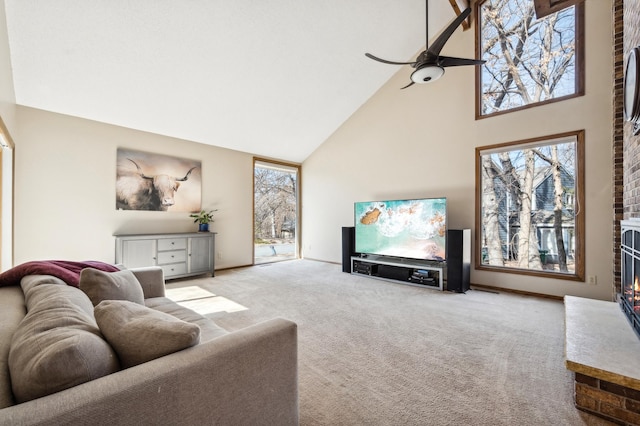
(618, 404)
(631, 147)
(618, 136)
(626, 147)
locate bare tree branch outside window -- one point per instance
(528, 60)
(275, 210)
(275, 203)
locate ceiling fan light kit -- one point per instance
(427, 74)
(430, 65)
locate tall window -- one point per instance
(530, 206)
(529, 61)
(275, 209)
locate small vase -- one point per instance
(203, 227)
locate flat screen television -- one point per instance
(412, 229)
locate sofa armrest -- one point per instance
(248, 377)
(152, 280)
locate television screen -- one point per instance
(414, 229)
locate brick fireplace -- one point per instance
(602, 345)
(602, 350)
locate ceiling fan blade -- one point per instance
(410, 84)
(447, 61)
(437, 45)
(369, 55)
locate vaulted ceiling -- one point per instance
(273, 78)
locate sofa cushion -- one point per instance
(30, 284)
(208, 328)
(139, 334)
(58, 344)
(11, 313)
(121, 285)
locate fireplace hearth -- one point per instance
(630, 263)
(600, 347)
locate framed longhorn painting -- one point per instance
(156, 182)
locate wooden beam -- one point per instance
(547, 7)
(458, 7)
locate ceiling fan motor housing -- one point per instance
(430, 65)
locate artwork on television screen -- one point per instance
(148, 181)
(414, 229)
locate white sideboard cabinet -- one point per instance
(179, 255)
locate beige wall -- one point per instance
(65, 190)
(420, 142)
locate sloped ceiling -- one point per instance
(273, 78)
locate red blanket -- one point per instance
(67, 271)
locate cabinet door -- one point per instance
(200, 254)
(138, 253)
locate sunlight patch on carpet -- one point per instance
(202, 301)
(180, 294)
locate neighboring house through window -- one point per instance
(530, 212)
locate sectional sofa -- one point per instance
(136, 357)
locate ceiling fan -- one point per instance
(430, 65)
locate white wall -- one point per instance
(420, 142)
(65, 170)
(7, 114)
(7, 95)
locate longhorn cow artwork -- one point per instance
(146, 181)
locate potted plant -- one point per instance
(203, 218)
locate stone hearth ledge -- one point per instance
(600, 343)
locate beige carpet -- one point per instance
(378, 353)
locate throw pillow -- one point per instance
(57, 345)
(121, 285)
(139, 334)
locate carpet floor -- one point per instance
(373, 352)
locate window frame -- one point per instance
(547, 7)
(579, 223)
(287, 167)
(579, 65)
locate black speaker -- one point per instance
(348, 247)
(458, 259)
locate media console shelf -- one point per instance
(452, 275)
(412, 272)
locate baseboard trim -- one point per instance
(478, 286)
(321, 260)
(521, 292)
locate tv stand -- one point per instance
(406, 271)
